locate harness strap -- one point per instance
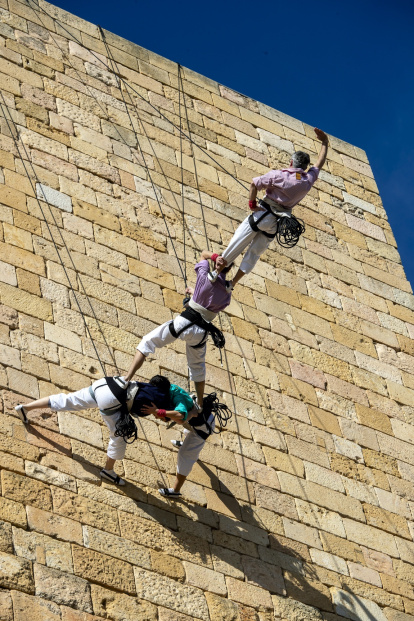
(253, 223)
(125, 425)
(195, 319)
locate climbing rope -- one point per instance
(14, 132)
(181, 131)
(112, 60)
(129, 86)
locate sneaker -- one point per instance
(110, 475)
(229, 286)
(177, 443)
(168, 492)
(212, 276)
(21, 413)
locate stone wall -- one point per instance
(304, 507)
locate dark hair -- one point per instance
(161, 382)
(227, 269)
(300, 160)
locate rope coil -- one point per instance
(289, 229)
(222, 413)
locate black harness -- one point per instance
(211, 405)
(288, 227)
(125, 425)
(196, 319)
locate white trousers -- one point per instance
(104, 399)
(244, 236)
(161, 336)
(191, 448)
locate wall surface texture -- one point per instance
(303, 508)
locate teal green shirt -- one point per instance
(181, 400)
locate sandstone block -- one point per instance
(320, 518)
(84, 510)
(46, 550)
(288, 608)
(385, 520)
(21, 449)
(167, 592)
(371, 537)
(365, 574)
(257, 472)
(103, 569)
(263, 575)
(166, 565)
(323, 476)
(40, 609)
(13, 512)
(205, 578)
(284, 461)
(54, 525)
(16, 573)
(47, 475)
(220, 609)
(321, 496)
(153, 535)
(329, 561)
(248, 594)
(307, 451)
(24, 490)
(53, 197)
(348, 448)
(249, 532)
(62, 588)
(120, 607)
(25, 302)
(78, 470)
(6, 538)
(117, 547)
(354, 607)
(80, 428)
(301, 532)
(308, 591)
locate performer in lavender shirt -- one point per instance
(193, 325)
(284, 189)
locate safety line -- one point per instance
(180, 81)
(112, 60)
(141, 97)
(17, 133)
(182, 176)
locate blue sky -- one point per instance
(346, 67)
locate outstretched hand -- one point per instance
(189, 290)
(321, 135)
(221, 262)
(149, 409)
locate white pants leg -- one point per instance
(191, 448)
(117, 444)
(79, 400)
(161, 336)
(257, 242)
(82, 400)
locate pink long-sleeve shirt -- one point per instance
(288, 186)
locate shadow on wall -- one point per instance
(237, 540)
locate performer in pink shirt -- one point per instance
(193, 325)
(272, 218)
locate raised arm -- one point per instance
(324, 148)
(206, 254)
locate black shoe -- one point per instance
(110, 475)
(168, 492)
(177, 443)
(21, 413)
